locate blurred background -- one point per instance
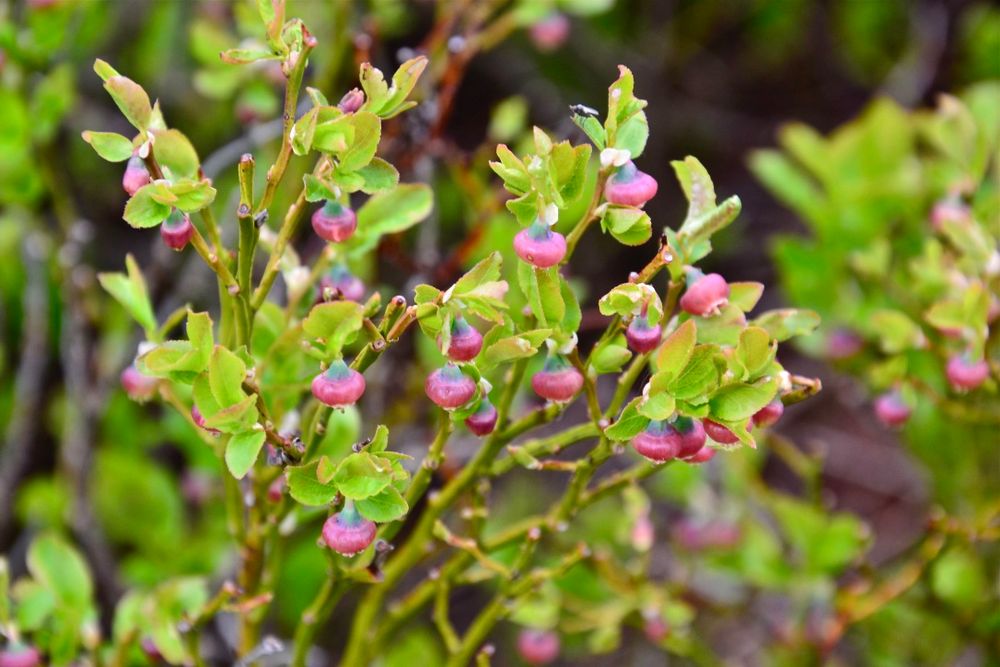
(137, 489)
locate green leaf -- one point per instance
(485, 271)
(739, 401)
(755, 350)
(246, 56)
(318, 190)
(181, 359)
(305, 488)
(335, 322)
(361, 149)
(361, 475)
(633, 134)
(192, 195)
(611, 356)
(131, 99)
(226, 373)
(242, 451)
(700, 376)
(628, 299)
(896, 331)
(958, 578)
(593, 129)
(697, 186)
(569, 169)
(143, 211)
(629, 423)
(379, 176)
(104, 70)
(519, 346)
(403, 83)
(62, 571)
(630, 226)
(701, 228)
(375, 87)
(389, 213)
(542, 290)
(658, 406)
(745, 295)
(787, 322)
(388, 505)
(130, 291)
(175, 154)
(304, 131)
(379, 441)
(511, 170)
(675, 352)
(111, 146)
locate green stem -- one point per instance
(589, 217)
(317, 613)
(277, 170)
(364, 626)
(547, 446)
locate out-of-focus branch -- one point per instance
(30, 377)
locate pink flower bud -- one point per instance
(149, 649)
(539, 246)
(177, 230)
(341, 280)
(347, 532)
(892, 410)
(843, 344)
(20, 656)
(139, 387)
(630, 187)
(719, 433)
(558, 380)
(449, 387)
(769, 414)
(663, 440)
(339, 386)
(965, 374)
(949, 209)
(706, 295)
(643, 533)
(551, 32)
(334, 222)
(703, 455)
(483, 420)
(135, 175)
(538, 647)
(351, 101)
(466, 341)
(654, 627)
(276, 491)
(641, 336)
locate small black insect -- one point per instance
(582, 110)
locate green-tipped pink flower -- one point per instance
(347, 532)
(338, 386)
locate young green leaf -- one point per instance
(242, 451)
(143, 210)
(389, 213)
(130, 291)
(111, 146)
(630, 226)
(131, 99)
(629, 423)
(304, 486)
(387, 505)
(675, 352)
(361, 475)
